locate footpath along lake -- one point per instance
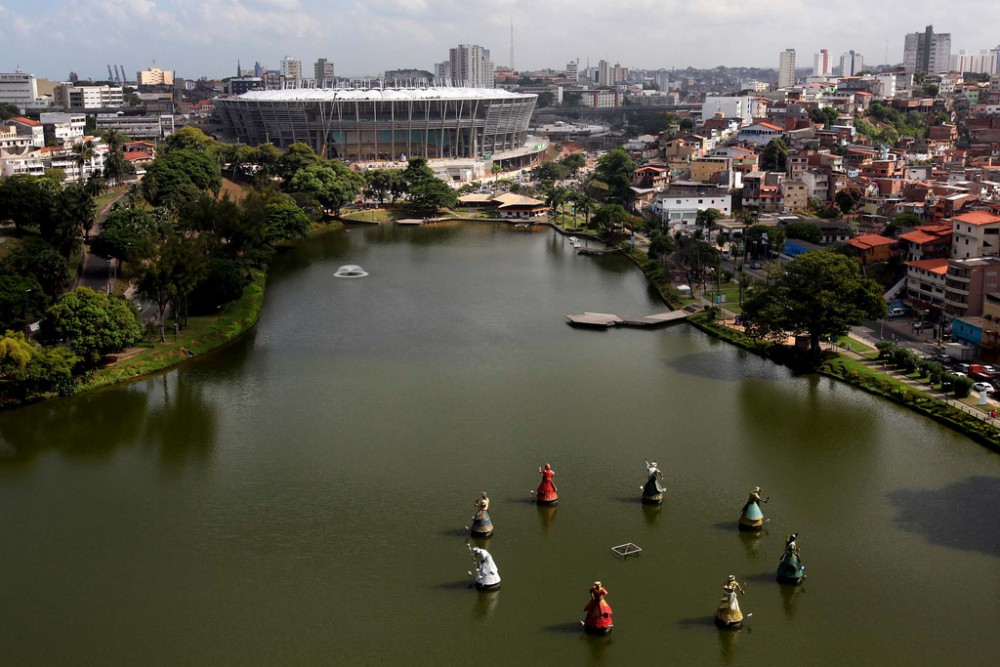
(300, 497)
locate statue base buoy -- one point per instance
(482, 525)
(728, 615)
(653, 489)
(790, 569)
(751, 516)
(487, 576)
(598, 619)
(547, 493)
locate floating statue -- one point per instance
(482, 526)
(547, 493)
(728, 614)
(751, 518)
(790, 569)
(487, 575)
(598, 618)
(652, 490)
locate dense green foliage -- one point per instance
(91, 323)
(818, 294)
(774, 157)
(615, 168)
(804, 230)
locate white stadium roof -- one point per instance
(378, 95)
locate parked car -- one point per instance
(922, 325)
(984, 386)
(991, 370)
(755, 265)
(959, 374)
(962, 367)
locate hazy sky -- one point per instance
(206, 37)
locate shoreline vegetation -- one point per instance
(208, 333)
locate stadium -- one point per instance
(386, 124)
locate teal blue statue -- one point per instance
(790, 569)
(751, 517)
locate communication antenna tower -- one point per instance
(512, 43)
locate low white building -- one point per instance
(69, 96)
(65, 128)
(679, 208)
(54, 157)
(760, 134)
(745, 108)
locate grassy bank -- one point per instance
(203, 334)
(850, 370)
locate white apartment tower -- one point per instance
(822, 63)
(291, 69)
(572, 72)
(470, 66)
(786, 68)
(927, 52)
(851, 63)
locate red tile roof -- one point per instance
(920, 237)
(138, 155)
(978, 218)
(938, 266)
(865, 241)
(771, 126)
(25, 121)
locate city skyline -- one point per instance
(206, 37)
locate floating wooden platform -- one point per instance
(584, 250)
(608, 320)
(410, 221)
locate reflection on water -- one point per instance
(597, 647)
(728, 641)
(486, 604)
(182, 426)
(790, 595)
(546, 515)
(963, 515)
(89, 426)
(752, 540)
(652, 513)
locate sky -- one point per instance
(196, 38)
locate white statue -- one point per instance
(487, 575)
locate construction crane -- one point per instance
(111, 77)
(124, 80)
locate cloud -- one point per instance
(198, 37)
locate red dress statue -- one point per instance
(547, 493)
(598, 618)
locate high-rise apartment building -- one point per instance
(572, 72)
(822, 63)
(291, 69)
(786, 68)
(927, 52)
(984, 62)
(851, 63)
(323, 72)
(470, 66)
(154, 76)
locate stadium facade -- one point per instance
(383, 124)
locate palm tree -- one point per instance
(586, 205)
(115, 164)
(84, 154)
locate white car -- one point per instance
(984, 386)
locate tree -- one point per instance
(27, 201)
(188, 138)
(549, 172)
(92, 323)
(76, 204)
(574, 162)
(775, 155)
(804, 230)
(37, 259)
(847, 199)
(224, 282)
(827, 115)
(127, 235)
(179, 168)
(116, 166)
(611, 218)
(297, 157)
(615, 168)
(817, 293)
(332, 184)
(8, 110)
(585, 204)
(21, 301)
(707, 217)
(83, 155)
(286, 221)
(427, 192)
(169, 279)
